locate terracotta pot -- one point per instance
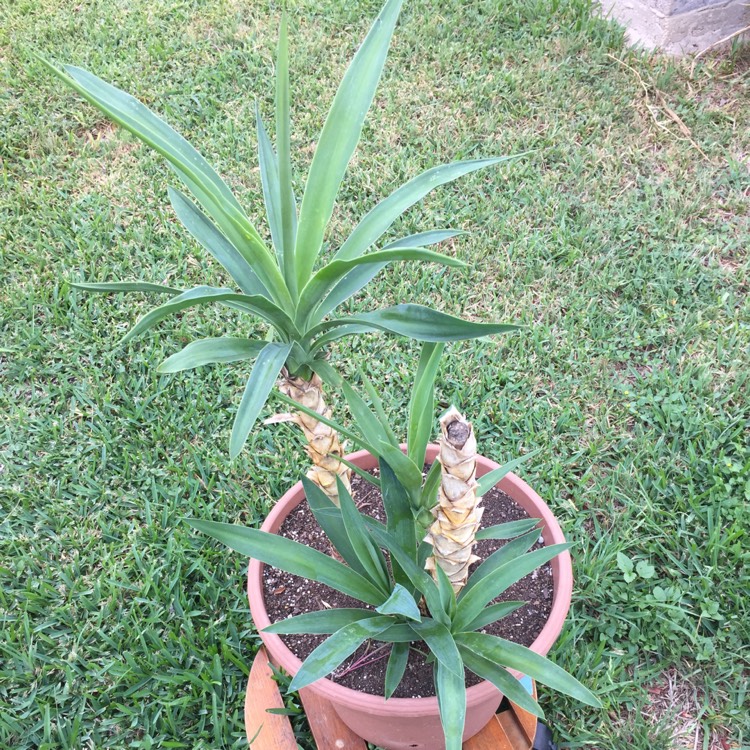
(404, 723)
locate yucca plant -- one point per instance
(406, 604)
(287, 286)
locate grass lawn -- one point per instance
(621, 242)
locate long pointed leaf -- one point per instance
(329, 655)
(399, 518)
(493, 613)
(524, 660)
(486, 482)
(394, 672)
(508, 530)
(262, 379)
(441, 643)
(402, 603)
(292, 557)
(125, 286)
(421, 403)
(339, 138)
(377, 221)
(322, 622)
(451, 694)
(269, 178)
(430, 237)
(207, 234)
(209, 351)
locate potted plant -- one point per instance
(282, 286)
(431, 524)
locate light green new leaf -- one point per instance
(377, 221)
(205, 231)
(420, 239)
(326, 657)
(417, 322)
(400, 602)
(428, 496)
(339, 138)
(262, 379)
(421, 404)
(486, 482)
(322, 622)
(524, 660)
(210, 351)
(493, 613)
(450, 689)
(126, 286)
(367, 423)
(291, 557)
(394, 672)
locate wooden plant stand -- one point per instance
(510, 729)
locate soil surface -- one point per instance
(288, 595)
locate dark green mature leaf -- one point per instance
(209, 237)
(503, 680)
(418, 577)
(400, 633)
(322, 622)
(365, 549)
(125, 286)
(377, 404)
(262, 379)
(339, 138)
(367, 423)
(209, 351)
(374, 481)
(394, 672)
(451, 694)
(506, 553)
(326, 657)
(508, 530)
(329, 519)
(202, 295)
(417, 322)
(421, 404)
(338, 333)
(493, 613)
(377, 221)
(208, 188)
(400, 602)
(356, 279)
(488, 481)
(500, 651)
(326, 278)
(471, 604)
(408, 473)
(441, 643)
(430, 237)
(291, 557)
(399, 516)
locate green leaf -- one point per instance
(508, 530)
(329, 519)
(338, 333)
(421, 404)
(428, 497)
(447, 595)
(441, 643)
(377, 221)
(202, 295)
(207, 187)
(522, 659)
(262, 379)
(339, 138)
(374, 481)
(322, 622)
(400, 602)
(431, 237)
(400, 633)
(367, 552)
(471, 604)
(417, 322)
(209, 237)
(503, 680)
(343, 643)
(399, 518)
(288, 203)
(126, 286)
(377, 404)
(408, 473)
(488, 481)
(493, 613)
(367, 423)
(292, 557)
(394, 672)
(269, 178)
(312, 306)
(420, 579)
(210, 351)
(451, 694)
(506, 553)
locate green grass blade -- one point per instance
(394, 672)
(377, 221)
(339, 138)
(210, 351)
(109, 287)
(207, 234)
(509, 654)
(329, 655)
(262, 379)
(292, 557)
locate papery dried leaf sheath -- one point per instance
(323, 444)
(457, 513)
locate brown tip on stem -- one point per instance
(458, 433)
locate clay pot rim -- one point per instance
(562, 571)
